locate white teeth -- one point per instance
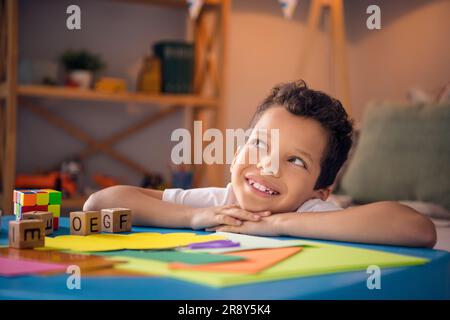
(260, 187)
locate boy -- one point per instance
(314, 141)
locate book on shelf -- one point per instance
(177, 60)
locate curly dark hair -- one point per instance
(298, 99)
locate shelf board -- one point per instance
(173, 3)
(185, 100)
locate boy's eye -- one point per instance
(259, 143)
(298, 162)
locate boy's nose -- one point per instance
(266, 167)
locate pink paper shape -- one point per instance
(16, 267)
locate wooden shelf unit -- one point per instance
(210, 66)
(184, 100)
(173, 3)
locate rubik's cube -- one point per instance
(38, 200)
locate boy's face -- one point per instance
(302, 142)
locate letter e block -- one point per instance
(85, 222)
(26, 234)
(116, 220)
(45, 216)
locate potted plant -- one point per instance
(80, 67)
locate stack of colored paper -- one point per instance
(221, 259)
(38, 200)
(266, 259)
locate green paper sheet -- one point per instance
(314, 259)
(247, 243)
(173, 256)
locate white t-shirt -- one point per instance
(213, 197)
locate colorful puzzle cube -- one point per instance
(55, 209)
(42, 198)
(27, 200)
(54, 196)
(41, 208)
(19, 210)
(55, 223)
(25, 197)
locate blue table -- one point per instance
(429, 281)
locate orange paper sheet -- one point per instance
(256, 261)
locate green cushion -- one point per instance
(403, 154)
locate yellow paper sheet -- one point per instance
(314, 259)
(135, 241)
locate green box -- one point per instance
(177, 61)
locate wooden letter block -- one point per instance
(45, 216)
(85, 222)
(26, 234)
(116, 220)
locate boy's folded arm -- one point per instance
(147, 207)
(157, 194)
(384, 222)
(150, 210)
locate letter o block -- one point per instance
(84, 223)
(26, 234)
(116, 220)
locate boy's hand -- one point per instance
(267, 226)
(231, 215)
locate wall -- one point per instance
(411, 50)
(122, 33)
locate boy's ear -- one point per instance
(323, 193)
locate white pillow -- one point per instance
(429, 209)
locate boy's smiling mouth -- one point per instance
(260, 187)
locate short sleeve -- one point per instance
(200, 197)
(318, 205)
